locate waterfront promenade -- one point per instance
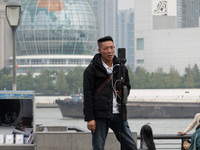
(164, 129)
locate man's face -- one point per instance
(107, 50)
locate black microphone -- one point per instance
(122, 61)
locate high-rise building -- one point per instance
(106, 11)
(126, 34)
(5, 38)
(188, 13)
(179, 14)
(192, 13)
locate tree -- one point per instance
(141, 79)
(5, 71)
(189, 77)
(173, 78)
(20, 82)
(196, 76)
(5, 79)
(159, 79)
(75, 80)
(6, 82)
(25, 82)
(61, 83)
(44, 83)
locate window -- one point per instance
(140, 61)
(140, 44)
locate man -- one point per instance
(102, 97)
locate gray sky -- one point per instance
(125, 4)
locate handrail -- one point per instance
(170, 136)
(168, 141)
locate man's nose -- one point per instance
(109, 49)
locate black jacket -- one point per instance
(100, 105)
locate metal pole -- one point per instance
(14, 61)
(121, 116)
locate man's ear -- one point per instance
(99, 50)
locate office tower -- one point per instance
(106, 11)
(126, 34)
(189, 12)
(179, 13)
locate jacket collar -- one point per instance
(97, 60)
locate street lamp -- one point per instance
(13, 15)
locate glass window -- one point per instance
(140, 44)
(140, 61)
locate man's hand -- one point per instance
(91, 125)
(181, 133)
(119, 93)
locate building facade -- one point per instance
(107, 13)
(163, 48)
(191, 13)
(188, 13)
(180, 13)
(126, 34)
(55, 35)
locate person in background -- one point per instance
(186, 144)
(7, 117)
(102, 98)
(195, 139)
(191, 125)
(14, 116)
(146, 138)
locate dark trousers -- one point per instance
(102, 127)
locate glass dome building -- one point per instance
(55, 34)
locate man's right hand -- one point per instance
(91, 125)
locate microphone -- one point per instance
(122, 61)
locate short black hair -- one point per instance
(104, 39)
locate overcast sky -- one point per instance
(125, 4)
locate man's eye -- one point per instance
(106, 48)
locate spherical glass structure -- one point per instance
(49, 27)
